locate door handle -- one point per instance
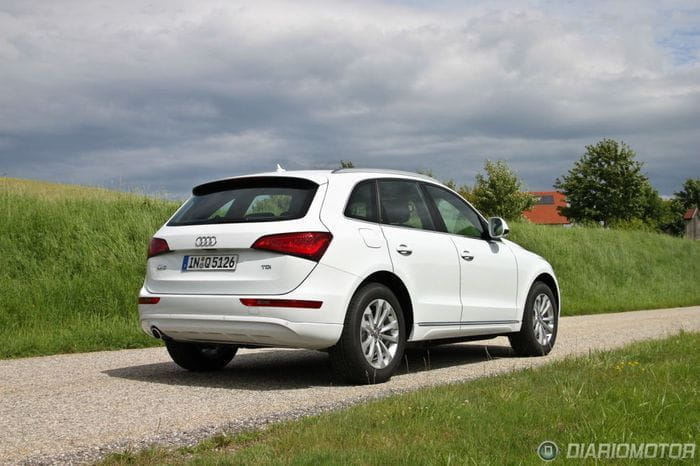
(403, 250)
(467, 256)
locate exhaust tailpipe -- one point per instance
(156, 333)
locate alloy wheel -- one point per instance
(379, 333)
(543, 321)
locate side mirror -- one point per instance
(498, 228)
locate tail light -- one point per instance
(157, 246)
(309, 245)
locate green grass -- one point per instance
(74, 257)
(647, 392)
(603, 270)
(73, 262)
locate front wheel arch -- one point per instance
(549, 280)
(526, 341)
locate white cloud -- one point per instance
(87, 89)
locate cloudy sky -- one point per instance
(161, 95)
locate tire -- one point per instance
(531, 341)
(200, 357)
(385, 348)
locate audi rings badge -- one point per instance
(205, 241)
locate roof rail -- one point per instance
(384, 171)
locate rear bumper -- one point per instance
(242, 330)
(224, 319)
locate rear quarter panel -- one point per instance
(358, 247)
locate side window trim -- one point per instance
(378, 200)
(380, 212)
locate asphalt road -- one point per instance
(75, 408)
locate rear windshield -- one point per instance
(247, 200)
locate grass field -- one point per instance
(647, 392)
(74, 259)
(603, 270)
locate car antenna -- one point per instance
(280, 169)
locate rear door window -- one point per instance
(247, 200)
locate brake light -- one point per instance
(309, 245)
(149, 300)
(157, 246)
(300, 303)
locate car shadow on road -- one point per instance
(295, 369)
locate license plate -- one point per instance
(225, 263)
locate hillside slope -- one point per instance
(74, 257)
(603, 270)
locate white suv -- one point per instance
(356, 262)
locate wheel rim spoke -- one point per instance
(365, 346)
(538, 304)
(390, 326)
(381, 314)
(547, 307)
(366, 323)
(384, 351)
(372, 349)
(380, 354)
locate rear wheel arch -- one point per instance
(396, 285)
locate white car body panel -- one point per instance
(530, 267)
(489, 281)
(431, 272)
(450, 297)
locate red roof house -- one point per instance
(546, 212)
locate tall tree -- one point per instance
(686, 198)
(605, 185)
(653, 207)
(500, 192)
(672, 220)
(689, 196)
